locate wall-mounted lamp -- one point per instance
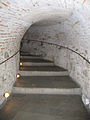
(18, 75)
(21, 63)
(85, 100)
(6, 94)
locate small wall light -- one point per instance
(85, 100)
(21, 63)
(18, 75)
(6, 94)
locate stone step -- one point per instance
(59, 91)
(36, 62)
(28, 54)
(46, 85)
(30, 57)
(42, 68)
(42, 71)
(46, 82)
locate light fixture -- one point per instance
(18, 75)
(21, 63)
(6, 94)
(85, 100)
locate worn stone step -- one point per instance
(42, 71)
(59, 91)
(42, 68)
(46, 85)
(46, 82)
(36, 62)
(30, 56)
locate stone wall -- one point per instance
(12, 29)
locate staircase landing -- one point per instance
(44, 107)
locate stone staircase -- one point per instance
(44, 92)
(40, 76)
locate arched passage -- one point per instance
(18, 16)
(52, 43)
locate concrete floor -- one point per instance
(44, 107)
(46, 82)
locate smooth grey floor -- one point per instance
(41, 68)
(46, 82)
(44, 107)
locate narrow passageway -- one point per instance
(50, 95)
(44, 59)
